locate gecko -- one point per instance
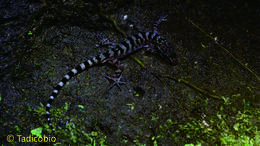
(151, 41)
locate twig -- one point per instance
(112, 21)
(193, 87)
(223, 48)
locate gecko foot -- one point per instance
(116, 80)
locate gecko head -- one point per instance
(166, 51)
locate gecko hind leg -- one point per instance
(116, 77)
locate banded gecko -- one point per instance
(149, 40)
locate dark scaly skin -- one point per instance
(131, 45)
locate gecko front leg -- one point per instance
(157, 23)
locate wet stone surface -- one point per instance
(41, 41)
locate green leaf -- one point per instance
(66, 107)
(203, 46)
(81, 106)
(139, 62)
(37, 132)
(18, 129)
(169, 121)
(189, 145)
(30, 33)
(153, 138)
(236, 126)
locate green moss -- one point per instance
(37, 132)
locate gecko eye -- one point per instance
(166, 51)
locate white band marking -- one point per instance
(74, 71)
(134, 40)
(102, 57)
(153, 35)
(111, 53)
(158, 37)
(146, 35)
(67, 77)
(95, 60)
(141, 36)
(90, 63)
(129, 44)
(61, 84)
(82, 65)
